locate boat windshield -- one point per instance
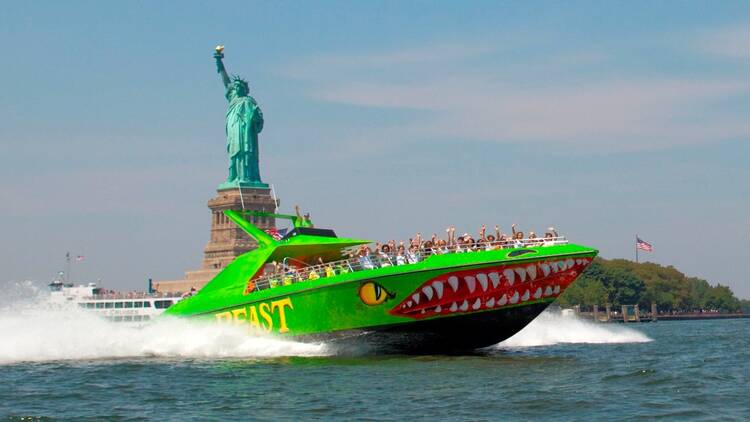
(311, 231)
(293, 271)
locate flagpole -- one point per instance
(67, 257)
(636, 248)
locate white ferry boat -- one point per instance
(135, 308)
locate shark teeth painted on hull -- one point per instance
(490, 288)
(495, 278)
(510, 276)
(482, 279)
(531, 271)
(438, 286)
(453, 282)
(427, 290)
(471, 283)
(521, 273)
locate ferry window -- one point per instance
(136, 317)
(99, 305)
(519, 252)
(127, 318)
(128, 304)
(82, 305)
(90, 305)
(118, 318)
(138, 304)
(146, 317)
(146, 304)
(162, 304)
(109, 304)
(118, 305)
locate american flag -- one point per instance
(80, 258)
(643, 245)
(276, 234)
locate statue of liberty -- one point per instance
(244, 121)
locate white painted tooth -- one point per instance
(471, 283)
(538, 293)
(415, 298)
(438, 309)
(409, 304)
(464, 306)
(438, 286)
(557, 289)
(553, 265)
(453, 281)
(525, 296)
(579, 261)
(453, 307)
(510, 276)
(423, 312)
(490, 302)
(561, 265)
(482, 279)
(521, 273)
(545, 268)
(569, 263)
(514, 298)
(531, 271)
(548, 291)
(476, 304)
(495, 278)
(502, 301)
(403, 306)
(427, 290)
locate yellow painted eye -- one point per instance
(372, 293)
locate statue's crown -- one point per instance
(236, 78)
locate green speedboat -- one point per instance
(308, 286)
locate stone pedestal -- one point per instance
(227, 240)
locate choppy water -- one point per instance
(71, 365)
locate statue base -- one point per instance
(237, 184)
(227, 240)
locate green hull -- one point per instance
(456, 301)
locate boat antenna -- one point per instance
(67, 274)
(275, 201)
(242, 200)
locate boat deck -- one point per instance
(294, 271)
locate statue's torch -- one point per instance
(219, 52)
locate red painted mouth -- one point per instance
(490, 288)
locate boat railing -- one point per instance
(288, 274)
(131, 295)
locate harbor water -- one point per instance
(67, 364)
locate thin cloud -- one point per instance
(732, 42)
(489, 103)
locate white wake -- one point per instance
(552, 328)
(33, 331)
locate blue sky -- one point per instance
(604, 119)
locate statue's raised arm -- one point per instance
(218, 55)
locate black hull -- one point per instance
(459, 334)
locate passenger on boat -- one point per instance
(549, 237)
(517, 237)
(401, 255)
(412, 256)
(327, 269)
(364, 258)
(385, 260)
(302, 220)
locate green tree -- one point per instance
(623, 282)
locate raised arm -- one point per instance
(218, 55)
